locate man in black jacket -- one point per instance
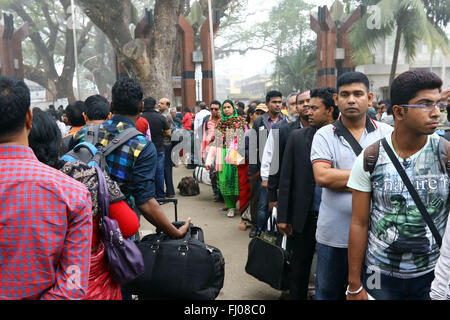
(299, 196)
(262, 126)
(304, 111)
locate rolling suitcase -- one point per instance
(185, 269)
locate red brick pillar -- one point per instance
(343, 41)
(187, 37)
(208, 93)
(328, 39)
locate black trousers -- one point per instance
(254, 192)
(302, 253)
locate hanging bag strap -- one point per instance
(413, 192)
(122, 138)
(357, 149)
(103, 194)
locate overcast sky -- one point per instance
(254, 62)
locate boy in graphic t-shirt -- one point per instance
(392, 252)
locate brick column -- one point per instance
(208, 93)
(343, 41)
(187, 38)
(328, 39)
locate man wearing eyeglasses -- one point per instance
(392, 252)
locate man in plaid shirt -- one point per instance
(45, 216)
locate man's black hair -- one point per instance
(14, 104)
(216, 103)
(127, 94)
(326, 95)
(45, 138)
(257, 102)
(386, 102)
(272, 94)
(353, 77)
(149, 104)
(241, 105)
(186, 109)
(54, 114)
(240, 112)
(251, 110)
(405, 87)
(74, 112)
(97, 107)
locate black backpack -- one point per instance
(188, 187)
(93, 153)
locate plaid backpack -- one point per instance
(93, 153)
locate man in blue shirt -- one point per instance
(133, 165)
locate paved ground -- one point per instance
(223, 233)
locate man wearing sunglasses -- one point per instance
(392, 251)
(208, 126)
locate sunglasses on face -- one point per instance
(428, 106)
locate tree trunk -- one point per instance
(162, 50)
(398, 38)
(151, 63)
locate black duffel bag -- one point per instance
(267, 261)
(186, 269)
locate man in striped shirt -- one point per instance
(45, 216)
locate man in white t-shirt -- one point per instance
(392, 251)
(201, 115)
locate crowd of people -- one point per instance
(324, 158)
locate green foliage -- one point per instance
(296, 72)
(287, 35)
(414, 24)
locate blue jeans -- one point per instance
(263, 207)
(331, 273)
(168, 176)
(159, 175)
(392, 288)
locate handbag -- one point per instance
(124, 256)
(201, 175)
(412, 192)
(185, 268)
(233, 156)
(268, 261)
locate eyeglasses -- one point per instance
(428, 106)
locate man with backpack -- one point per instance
(394, 243)
(133, 164)
(333, 152)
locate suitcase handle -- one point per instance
(172, 200)
(199, 232)
(191, 232)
